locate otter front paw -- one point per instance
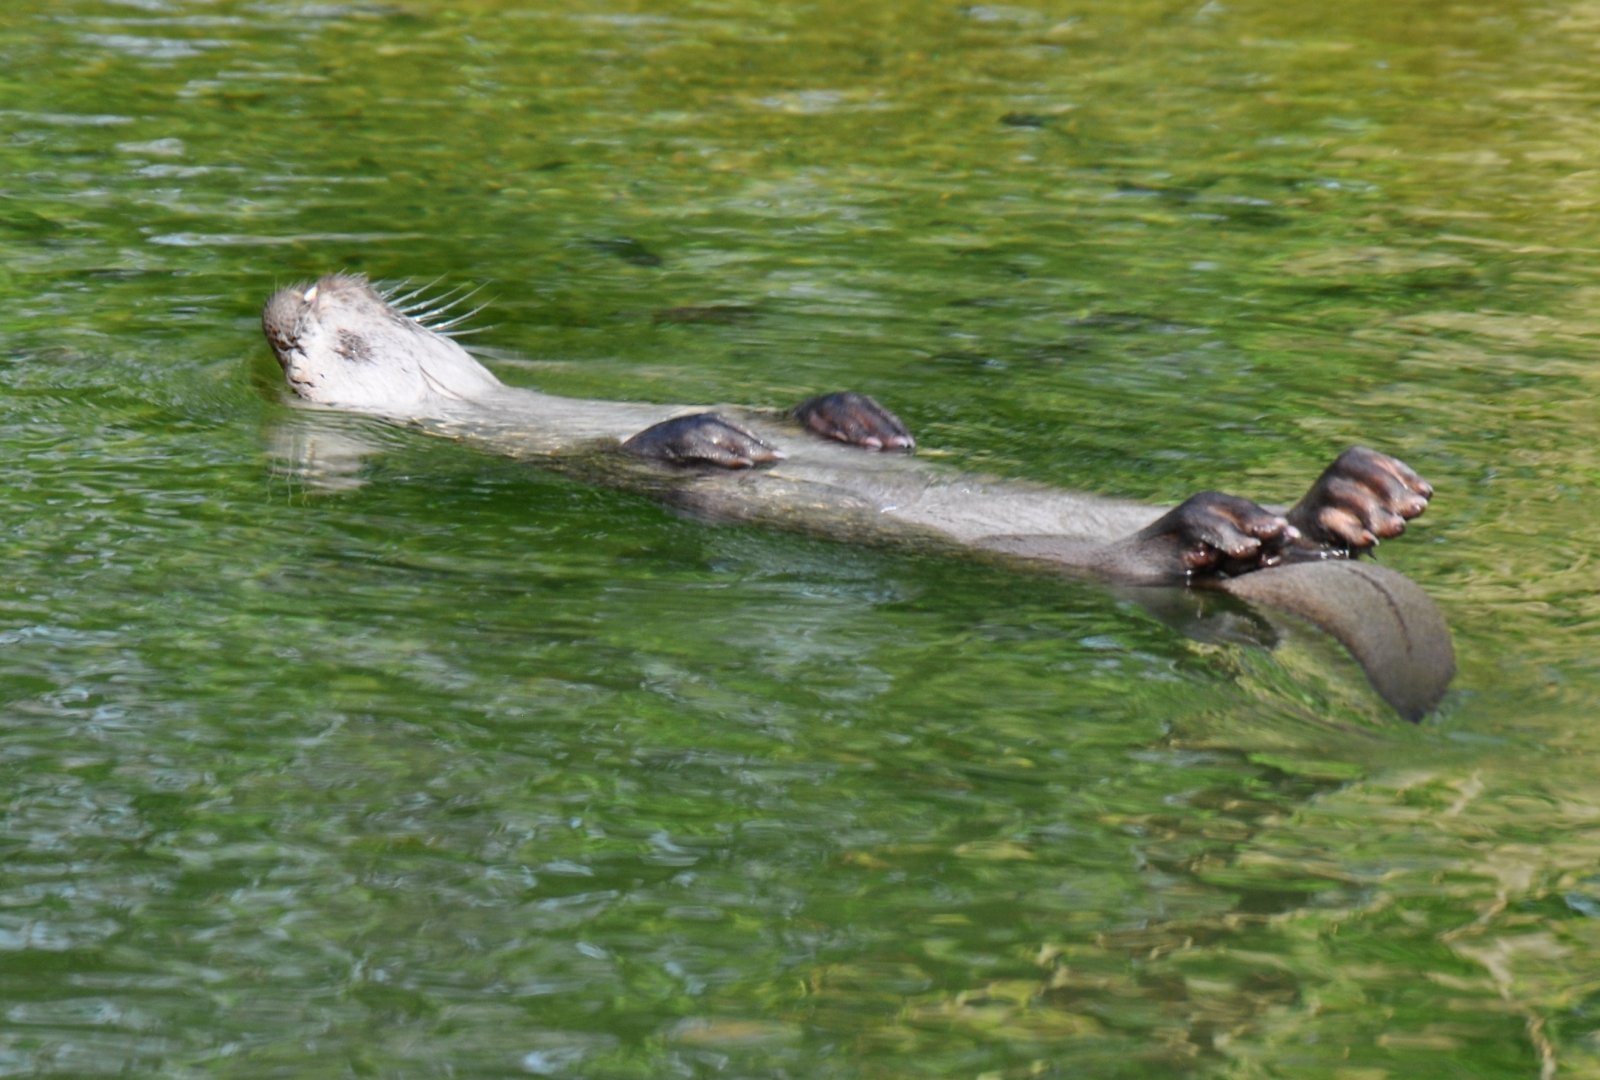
(702, 439)
(1214, 533)
(855, 419)
(1363, 497)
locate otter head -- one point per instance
(342, 343)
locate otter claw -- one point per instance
(856, 419)
(1223, 534)
(702, 439)
(1360, 499)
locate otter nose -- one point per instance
(279, 319)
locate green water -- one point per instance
(467, 770)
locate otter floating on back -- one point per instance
(837, 466)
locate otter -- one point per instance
(841, 465)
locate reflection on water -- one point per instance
(328, 748)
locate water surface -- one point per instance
(447, 767)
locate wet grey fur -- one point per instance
(406, 372)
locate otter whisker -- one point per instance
(442, 308)
(388, 288)
(465, 331)
(396, 301)
(423, 309)
(455, 320)
(426, 300)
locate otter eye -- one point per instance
(310, 295)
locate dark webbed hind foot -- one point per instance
(1214, 533)
(1363, 497)
(701, 439)
(855, 419)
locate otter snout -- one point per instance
(280, 319)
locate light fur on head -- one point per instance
(343, 344)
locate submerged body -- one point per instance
(346, 346)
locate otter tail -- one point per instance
(1384, 618)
